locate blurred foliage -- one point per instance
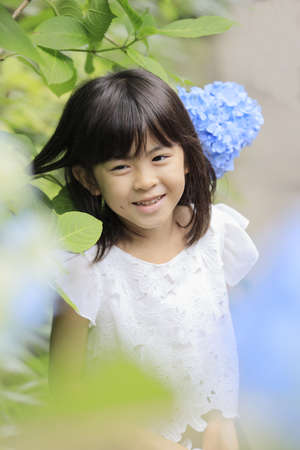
(22, 91)
(26, 107)
(23, 381)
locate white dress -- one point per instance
(175, 315)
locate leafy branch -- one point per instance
(48, 49)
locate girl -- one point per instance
(155, 283)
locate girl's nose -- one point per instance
(144, 180)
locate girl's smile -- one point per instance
(144, 190)
(151, 205)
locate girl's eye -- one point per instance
(120, 167)
(160, 158)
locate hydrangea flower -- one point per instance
(226, 119)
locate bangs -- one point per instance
(122, 121)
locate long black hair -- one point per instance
(102, 119)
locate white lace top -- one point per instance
(175, 315)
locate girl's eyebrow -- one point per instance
(157, 147)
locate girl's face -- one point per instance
(144, 190)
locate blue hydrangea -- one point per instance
(226, 119)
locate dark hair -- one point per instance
(101, 121)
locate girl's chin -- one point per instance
(142, 226)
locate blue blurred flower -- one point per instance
(266, 318)
(225, 119)
(26, 268)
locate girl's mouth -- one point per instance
(150, 202)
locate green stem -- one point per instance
(122, 48)
(111, 41)
(90, 51)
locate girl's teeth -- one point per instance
(151, 202)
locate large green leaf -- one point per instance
(13, 38)
(193, 28)
(98, 19)
(147, 63)
(56, 67)
(61, 33)
(78, 231)
(135, 18)
(68, 8)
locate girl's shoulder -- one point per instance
(75, 281)
(222, 214)
(238, 251)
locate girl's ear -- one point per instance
(84, 178)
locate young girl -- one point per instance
(155, 283)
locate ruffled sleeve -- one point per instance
(76, 277)
(238, 251)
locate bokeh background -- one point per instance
(261, 52)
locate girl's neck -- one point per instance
(161, 245)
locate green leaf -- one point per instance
(61, 33)
(148, 27)
(117, 9)
(50, 188)
(62, 88)
(193, 28)
(28, 23)
(117, 61)
(146, 31)
(56, 67)
(147, 63)
(135, 18)
(62, 202)
(69, 8)
(105, 62)
(79, 231)
(98, 19)
(13, 38)
(121, 17)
